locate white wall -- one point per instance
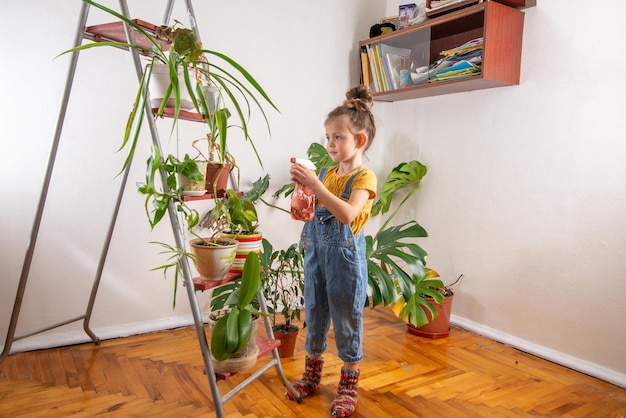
(526, 191)
(306, 59)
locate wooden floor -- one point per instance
(161, 375)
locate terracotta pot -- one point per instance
(213, 261)
(217, 177)
(287, 342)
(247, 243)
(440, 327)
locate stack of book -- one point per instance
(462, 61)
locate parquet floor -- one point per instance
(403, 376)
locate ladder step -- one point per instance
(203, 285)
(266, 345)
(168, 112)
(114, 31)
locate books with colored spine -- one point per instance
(374, 70)
(396, 59)
(366, 75)
(461, 61)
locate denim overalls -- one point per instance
(335, 282)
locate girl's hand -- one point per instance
(303, 175)
(344, 211)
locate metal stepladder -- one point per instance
(192, 286)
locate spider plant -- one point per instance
(178, 48)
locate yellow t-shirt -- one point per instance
(366, 179)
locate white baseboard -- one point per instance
(58, 338)
(583, 366)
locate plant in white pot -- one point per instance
(190, 174)
(235, 217)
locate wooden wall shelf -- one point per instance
(500, 26)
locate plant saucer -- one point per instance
(193, 192)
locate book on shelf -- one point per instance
(372, 63)
(380, 71)
(458, 69)
(365, 71)
(386, 70)
(469, 46)
(460, 61)
(397, 59)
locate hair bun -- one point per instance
(359, 98)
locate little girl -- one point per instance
(335, 268)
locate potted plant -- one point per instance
(179, 50)
(282, 278)
(235, 217)
(190, 174)
(216, 169)
(435, 300)
(213, 256)
(397, 265)
(234, 330)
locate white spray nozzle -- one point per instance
(307, 163)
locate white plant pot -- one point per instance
(159, 81)
(213, 98)
(193, 187)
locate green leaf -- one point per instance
(258, 188)
(319, 156)
(222, 293)
(218, 340)
(232, 330)
(250, 279)
(245, 328)
(403, 175)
